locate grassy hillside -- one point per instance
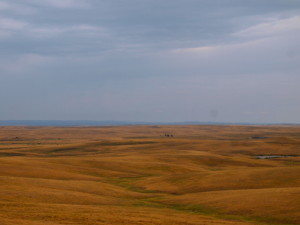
(136, 175)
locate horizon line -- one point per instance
(126, 123)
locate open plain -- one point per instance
(156, 175)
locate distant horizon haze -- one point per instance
(120, 123)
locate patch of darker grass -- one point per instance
(154, 202)
(125, 143)
(127, 183)
(292, 163)
(10, 154)
(63, 150)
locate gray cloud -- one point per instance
(150, 60)
(66, 4)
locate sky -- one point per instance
(150, 60)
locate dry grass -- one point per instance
(135, 175)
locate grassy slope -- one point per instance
(135, 175)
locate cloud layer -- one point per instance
(229, 61)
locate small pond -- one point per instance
(273, 156)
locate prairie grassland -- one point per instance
(135, 175)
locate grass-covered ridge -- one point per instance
(136, 175)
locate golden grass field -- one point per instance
(204, 175)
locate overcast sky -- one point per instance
(150, 60)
